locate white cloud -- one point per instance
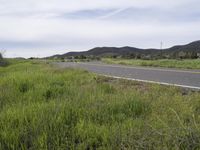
(59, 6)
(27, 25)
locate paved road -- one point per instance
(182, 78)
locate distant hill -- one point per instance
(194, 46)
(189, 50)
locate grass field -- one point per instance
(43, 107)
(168, 63)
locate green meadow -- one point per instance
(44, 107)
(166, 63)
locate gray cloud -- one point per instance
(45, 27)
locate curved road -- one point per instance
(175, 77)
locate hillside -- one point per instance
(192, 47)
(190, 50)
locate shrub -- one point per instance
(2, 61)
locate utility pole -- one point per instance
(161, 48)
(161, 45)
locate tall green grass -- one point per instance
(169, 63)
(43, 107)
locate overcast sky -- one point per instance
(45, 27)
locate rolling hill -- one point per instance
(188, 50)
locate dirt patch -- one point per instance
(103, 79)
(123, 84)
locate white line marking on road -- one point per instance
(154, 82)
(143, 68)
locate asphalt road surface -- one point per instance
(175, 77)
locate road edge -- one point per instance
(153, 82)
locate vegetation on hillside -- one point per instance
(188, 51)
(42, 107)
(169, 63)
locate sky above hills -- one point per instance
(45, 27)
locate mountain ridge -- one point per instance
(192, 48)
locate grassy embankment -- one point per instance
(168, 63)
(42, 107)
